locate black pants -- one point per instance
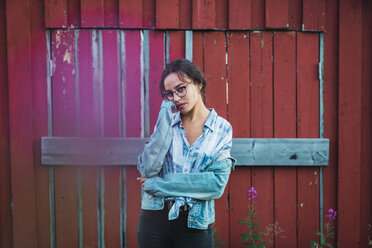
(156, 231)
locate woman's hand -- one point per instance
(141, 180)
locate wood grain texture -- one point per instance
(156, 67)
(239, 117)
(330, 96)
(185, 14)
(168, 14)
(5, 182)
(132, 78)
(92, 13)
(275, 18)
(307, 127)
(18, 21)
(285, 192)
(239, 107)
(240, 14)
(133, 124)
(40, 123)
(176, 45)
(111, 13)
(204, 16)
(130, 14)
(88, 127)
(55, 13)
(215, 71)
(65, 124)
(314, 15)
(366, 175)
(350, 117)
(262, 126)
(112, 128)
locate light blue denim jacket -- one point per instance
(204, 187)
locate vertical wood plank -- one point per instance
(18, 21)
(239, 83)
(5, 183)
(148, 14)
(167, 14)
(366, 176)
(215, 71)
(74, 12)
(133, 83)
(185, 14)
(65, 124)
(88, 127)
(215, 74)
(239, 117)
(314, 15)
(156, 67)
(349, 132)
(275, 18)
(55, 13)
(198, 49)
(258, 14)
(222, 14)
(133, 129)
(40, 122)
(111, 13)
(295, 14)
(240, 14)
(261, 63)
(176, 45)
(307, 127)
(330, 95)
(285, 188)
(112, 114)
(130, 14)
(92, 13)
(203, 14)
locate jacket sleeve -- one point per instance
(150, 161)
(207, 185)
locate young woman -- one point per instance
(185, 166)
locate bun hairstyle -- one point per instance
(184, 67)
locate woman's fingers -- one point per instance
(142, 180)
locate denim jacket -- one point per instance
(204, 187)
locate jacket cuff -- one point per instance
(150, 185)
(167, 104)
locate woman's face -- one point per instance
(184, 104)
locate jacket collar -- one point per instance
(209, 122)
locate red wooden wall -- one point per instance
(275, 104)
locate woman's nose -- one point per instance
(175, 97)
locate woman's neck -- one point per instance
(198, 112)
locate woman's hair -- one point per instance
(184, 67)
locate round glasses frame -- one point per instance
(180, 92)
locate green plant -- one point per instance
(252, 239)
(217, 240)
(328, 231)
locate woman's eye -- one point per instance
(181, 89)
(169, 94)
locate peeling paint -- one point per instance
(67, 56)
(58, 38)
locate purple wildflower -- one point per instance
(331, 214)
(252, 194)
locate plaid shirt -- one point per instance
(183, 158)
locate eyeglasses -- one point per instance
(180, 92)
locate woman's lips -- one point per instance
(181, 106)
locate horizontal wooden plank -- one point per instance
(124, 151)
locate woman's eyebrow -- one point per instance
(178, 85)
